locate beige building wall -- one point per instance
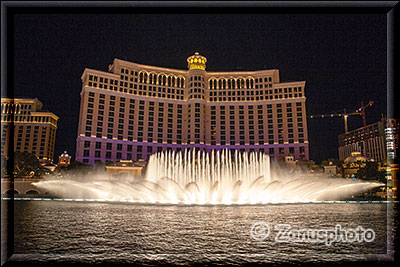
(34, 130)
(136, 110)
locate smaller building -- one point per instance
(49, 166)
(353, 163)
(331, 170)
(64, 159)
(305, 164)
(289, 160)
(126, 167)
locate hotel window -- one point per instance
(98, 145)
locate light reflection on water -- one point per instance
(87, 231)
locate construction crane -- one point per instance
(362, 111)
(345, 115)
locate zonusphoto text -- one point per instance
(285, 233)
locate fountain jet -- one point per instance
(200, 178)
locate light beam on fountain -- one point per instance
(200, 178)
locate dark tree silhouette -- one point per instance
(26, 164)
(370, 172)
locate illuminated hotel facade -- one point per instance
(135, 110)
(378, 141)
(34, 130)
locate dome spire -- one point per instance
(197, 61)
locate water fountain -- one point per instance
(207, 178)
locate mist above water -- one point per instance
(207, 178)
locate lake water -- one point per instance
(54, 231)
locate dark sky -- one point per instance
(342, 58)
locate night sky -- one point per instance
(342, 58)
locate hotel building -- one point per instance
(34, 130)
(378, 141)
(135, 110)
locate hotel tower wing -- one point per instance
(135, 110)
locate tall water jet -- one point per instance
(220, 177)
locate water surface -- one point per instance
(94, 232)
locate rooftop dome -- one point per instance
(65, 155)
(197, 61)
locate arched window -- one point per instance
(164, 80)
(247, 83)
(233, 83)
(32, 192)
(210, 84)
(251, 83)
(145, 78)
(141, 77)
(230, 84)
(224, 84)
(173, 81)
(182, 82)
(219, 84)
(12, 192)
